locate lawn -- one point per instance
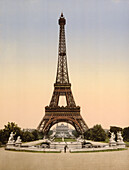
(65, 140)
(127, 144)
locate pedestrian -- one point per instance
(65, 147)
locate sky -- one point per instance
(97, 40)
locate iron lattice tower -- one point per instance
(54, 113)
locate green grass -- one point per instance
(127, 144)
(106, 141)
(57, 140)
(65, 140)
(108, 150)
(69, 140)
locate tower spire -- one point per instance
(62, 68)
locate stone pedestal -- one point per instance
(112, 143)
(10, 144)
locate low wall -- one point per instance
(32, 148)
(117, 147)
(70, 145)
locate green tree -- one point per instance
(27, 136)
(126, 134)
(50, 132)
(88, 134)
(2, 137)
(75, 133)
(37, 134)
(96, 133)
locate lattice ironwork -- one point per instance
(62, 87)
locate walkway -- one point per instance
(33, 142)
(115, 160)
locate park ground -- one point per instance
(115, 160)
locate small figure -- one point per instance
(62, 139)
(65, 148)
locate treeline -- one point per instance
(26, 136)
(97, 133)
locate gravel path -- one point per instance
(33, 142)
(116, 160)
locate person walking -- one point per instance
(65, 148)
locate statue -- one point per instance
(120, 139)
(11, 141)
(112, 141)
(80, 138)
(18, 141)
(62, 136)
(11, 138)
(112, 136)
(52, 138)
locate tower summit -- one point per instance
(62, 69)
(54, 113)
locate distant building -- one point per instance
(62, 131)
(28, 130)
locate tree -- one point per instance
(50, 132)
(96, 133)
(87, 134)
(27, 136)
(2, 137)
(126, 134)
(75, 133)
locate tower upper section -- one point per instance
(62, 69)
(62, 20)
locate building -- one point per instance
(62, 131)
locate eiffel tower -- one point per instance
(62, 87)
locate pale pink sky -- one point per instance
(97, 34)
